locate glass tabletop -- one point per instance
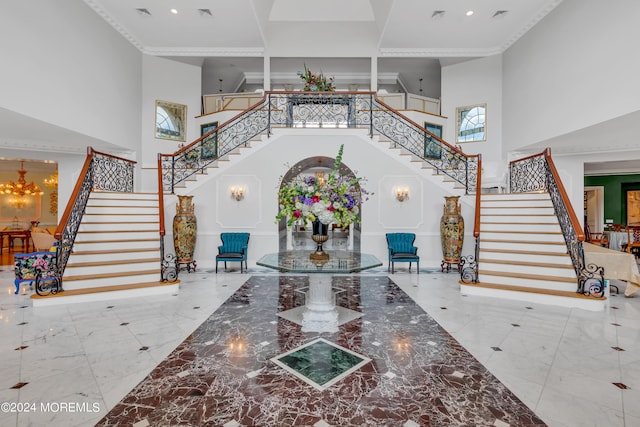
(299, 262)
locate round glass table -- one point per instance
(320, 312)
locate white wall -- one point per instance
(579, 66)
(475, 82)
(63, 64)
(260, 173)
(172, 81)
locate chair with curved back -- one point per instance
(233, 249)
(401, 249)
(598, 239)
(633, 241)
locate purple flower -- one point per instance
(350, 201)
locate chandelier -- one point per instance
(21, 188)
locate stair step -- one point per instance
(554, 292)
(526, 237)
(129, 290)
(525, 256)
(523, 279)
(521, 268)
(123, 235)
(127, 261)
(121, 210)
(528, 263)
(109, 279)
(521, 275)
(106, 255)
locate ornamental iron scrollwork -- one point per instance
(591, 281)
(469, 265)
(535, 173)
(318, 110)
(112, 173)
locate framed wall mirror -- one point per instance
(471, 123)
(170, 121)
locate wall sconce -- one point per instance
(402, 193)
(237, 192)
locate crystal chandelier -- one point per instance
(21, 188)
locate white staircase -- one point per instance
(116, 252)
(523, 254)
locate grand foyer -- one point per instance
(552, 383)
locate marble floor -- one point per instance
(86, 364)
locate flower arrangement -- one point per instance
(306, 198)
(315, 82)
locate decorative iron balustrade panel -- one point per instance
(112, 174)
(418, 142)
(178, 168)
(575, 247)
(323, 110)
(327, 110)
(65, 244)
(169, 265)
(529, 175)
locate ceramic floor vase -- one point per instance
(451, 230)
(185, 228)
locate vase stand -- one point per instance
(188, 265)
(449, 265)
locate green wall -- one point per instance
(615, 193)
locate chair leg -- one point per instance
(393, 267)
(409, 267)
(418, 266)
(216, 267)
(241, 267)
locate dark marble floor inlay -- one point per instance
(408, 370)
(320, 362)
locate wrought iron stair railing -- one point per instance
(319, 110)
(100, 171)
(309, 110)
(538, 173)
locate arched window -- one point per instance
(471, 122)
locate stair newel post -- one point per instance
(371, 115)
(269, 115)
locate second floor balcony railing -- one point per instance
(318, 110)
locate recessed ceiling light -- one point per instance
(174, 11)
(469, 12)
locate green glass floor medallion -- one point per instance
(320, 363)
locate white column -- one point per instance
(321, 314)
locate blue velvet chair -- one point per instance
(233, 249)
(401, 249)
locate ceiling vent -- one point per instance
(438, 14)
(500, 14)
(205, 12)
(144, 12)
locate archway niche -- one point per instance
(307, 165)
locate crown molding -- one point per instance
(117, 26)
(437, 53)
(515, 37)
(204, 51)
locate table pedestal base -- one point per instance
(320, 313)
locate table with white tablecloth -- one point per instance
(617, 265)
(617, 239)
